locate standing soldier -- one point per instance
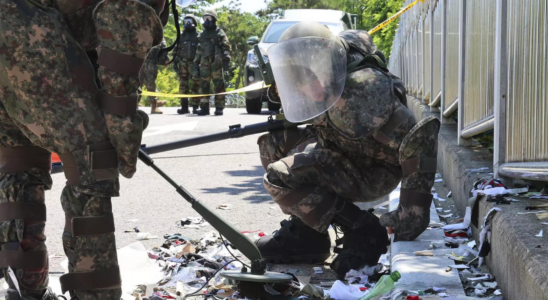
(184, 64)
(149, 73)
(50, 101)
(213, 50)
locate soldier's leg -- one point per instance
(219, 83)
(60, 115)
(319, 186)
(22, 211)
(194, 87)
(205, 75)
(184, 76)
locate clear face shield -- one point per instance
(310, 74)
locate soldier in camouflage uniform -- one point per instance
(50, 102)
(149, 73)
(213, 51)
(361, 143)
(184, 64)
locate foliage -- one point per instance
(239, 26)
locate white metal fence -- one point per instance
(485, 60)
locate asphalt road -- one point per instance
(226, 172)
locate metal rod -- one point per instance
(451, 109)
(443, 57)
(436, 101)
(501, 81)
(240, 241)
(462, 63)
(479, 127)
(537, 171)
(235, 131)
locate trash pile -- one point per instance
(191, 268)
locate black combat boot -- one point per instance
(204, 110)
(295, 242)
(218, 111)
(184, 107)
(195, 109)
(364, 240)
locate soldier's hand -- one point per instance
(407, 223)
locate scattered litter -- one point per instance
(141, 236)
(539, 234)
(493, 191)
(471, 244)
(485, 277)
(318, 270)
(439, 209)
(225, 206)
(443, 295)
(531, 212)
(382, 207)
(459, 267)
(438, 180)
(461, 226)
(271, 290)
(438, 289)
(498, 293)
(341, 291)
(133, 220)
(491, 285)
(447, 210)
(446, 216)
(450, 194)
(544, 223)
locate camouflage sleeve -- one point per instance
(224, 43)
(128, 29)
(198, 56)
(164, 56)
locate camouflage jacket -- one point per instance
(154, 56)
(213, 46)
(187, 46)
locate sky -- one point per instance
(250, 6)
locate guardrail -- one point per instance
(486, 61)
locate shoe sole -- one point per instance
(295, 259)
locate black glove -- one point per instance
(175, 67)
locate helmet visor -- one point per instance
(310, 74)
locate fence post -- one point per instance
(501, 82)
(462, 64)
(443, 56)
(431, 79)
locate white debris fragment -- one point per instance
(459, 267)
(449, 194)
(438, 289)
(498, 293)
(438, 180)
(141, 236)
(539, 234)
(318, 270)
(531, 212)
(446, 216)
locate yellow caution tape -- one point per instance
(253, 87)
(394, 17)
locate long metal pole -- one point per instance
(462, 64)
(443, 57)
(501, 81)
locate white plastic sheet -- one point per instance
(341, 291)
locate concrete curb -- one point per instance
(519, 266)
(422, 272)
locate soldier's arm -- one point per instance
(126, 30)
(225, 44)
(198, 55)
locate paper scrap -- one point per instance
(14, 280)
(439, 209)
(531, 212)
(539, 234)
(447, 210)
(542, 216)
(438, 289)
(318, 270)
(494, 191)
(471, 244)
(459, 267)
(446, 216)
(544, 223)
(439, 180)
(271, 290)
(449, 194)
(497, 293)
(464, 225)
(225, 206)
(443, 295)
(486, 277)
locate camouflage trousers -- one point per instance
(148, 75)
(44, 107)
(189, 81)
(307, 180)
(212, 72)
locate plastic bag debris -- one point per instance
(341, 291)
(225, 206)
(460, 226)
(531, 212)
(141, 236)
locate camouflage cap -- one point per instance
(193, 17)
(211, 12)
(306, 29)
